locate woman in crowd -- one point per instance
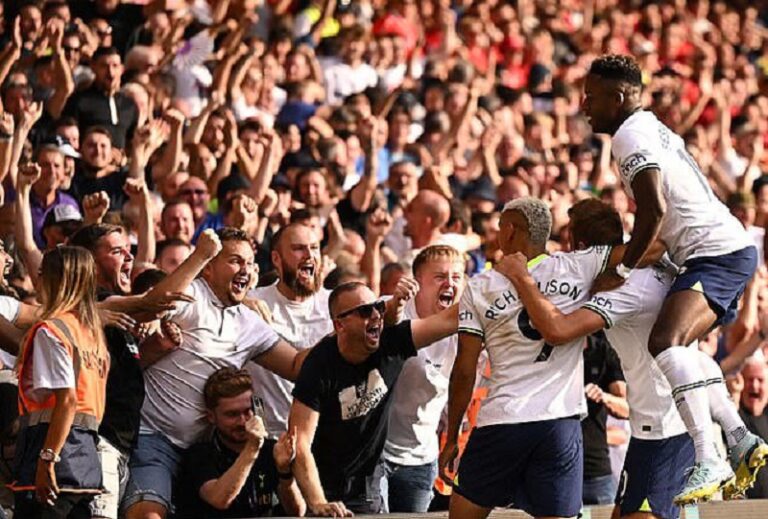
(62, 375)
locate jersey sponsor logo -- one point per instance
(602, 302)
(634, 161)
(359, 400)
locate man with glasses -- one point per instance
(195, 192)
(342, 396)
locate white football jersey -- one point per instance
(530, 380)
(629, 313)
(696, 223)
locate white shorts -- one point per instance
(114, 470)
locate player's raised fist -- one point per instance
(513, 266)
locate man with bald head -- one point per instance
(754, 411)
(425, 215)
(425, 218)
(299, 307)
(348, 379)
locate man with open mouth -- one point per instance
(218, 331)
(754, 411)
(343, 395)
(299, 307)
(408, 467)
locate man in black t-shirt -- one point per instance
(341, 398)
(239, 472)
(606, 393)
(103, 104)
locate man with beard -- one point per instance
(408, 467)
(218, 331)
(342, 397)
(299, 307)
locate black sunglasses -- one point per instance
(365, 311)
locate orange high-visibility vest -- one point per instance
(90, 359)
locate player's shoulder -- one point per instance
(484, 285)
(638, 134)
(483, 279)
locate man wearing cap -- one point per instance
(61, 222)
(70, 154)
(46, 194)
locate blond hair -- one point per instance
(437, 252)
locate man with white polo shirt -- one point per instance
(299, 307)
(408, 467)
(526, 450)
(218, 331)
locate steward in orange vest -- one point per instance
(79, 470)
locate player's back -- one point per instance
(630, 312)
(530, 380)
(696, 223)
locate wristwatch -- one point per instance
(48, 456)
(285, 475)
(623, 271)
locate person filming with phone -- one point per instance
(239, 472)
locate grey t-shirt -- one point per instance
(214, 336)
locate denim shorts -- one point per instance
(154, 465)
(114, 472)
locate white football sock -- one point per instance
(721, 406)
(681, 367)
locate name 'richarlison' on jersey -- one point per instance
(508, 299)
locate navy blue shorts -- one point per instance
(721, 279)
(654, 473)
(537, 467)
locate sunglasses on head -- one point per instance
(365, 311)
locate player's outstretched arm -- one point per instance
(651, 208)
(554, 326)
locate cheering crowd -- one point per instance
(236, 233)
